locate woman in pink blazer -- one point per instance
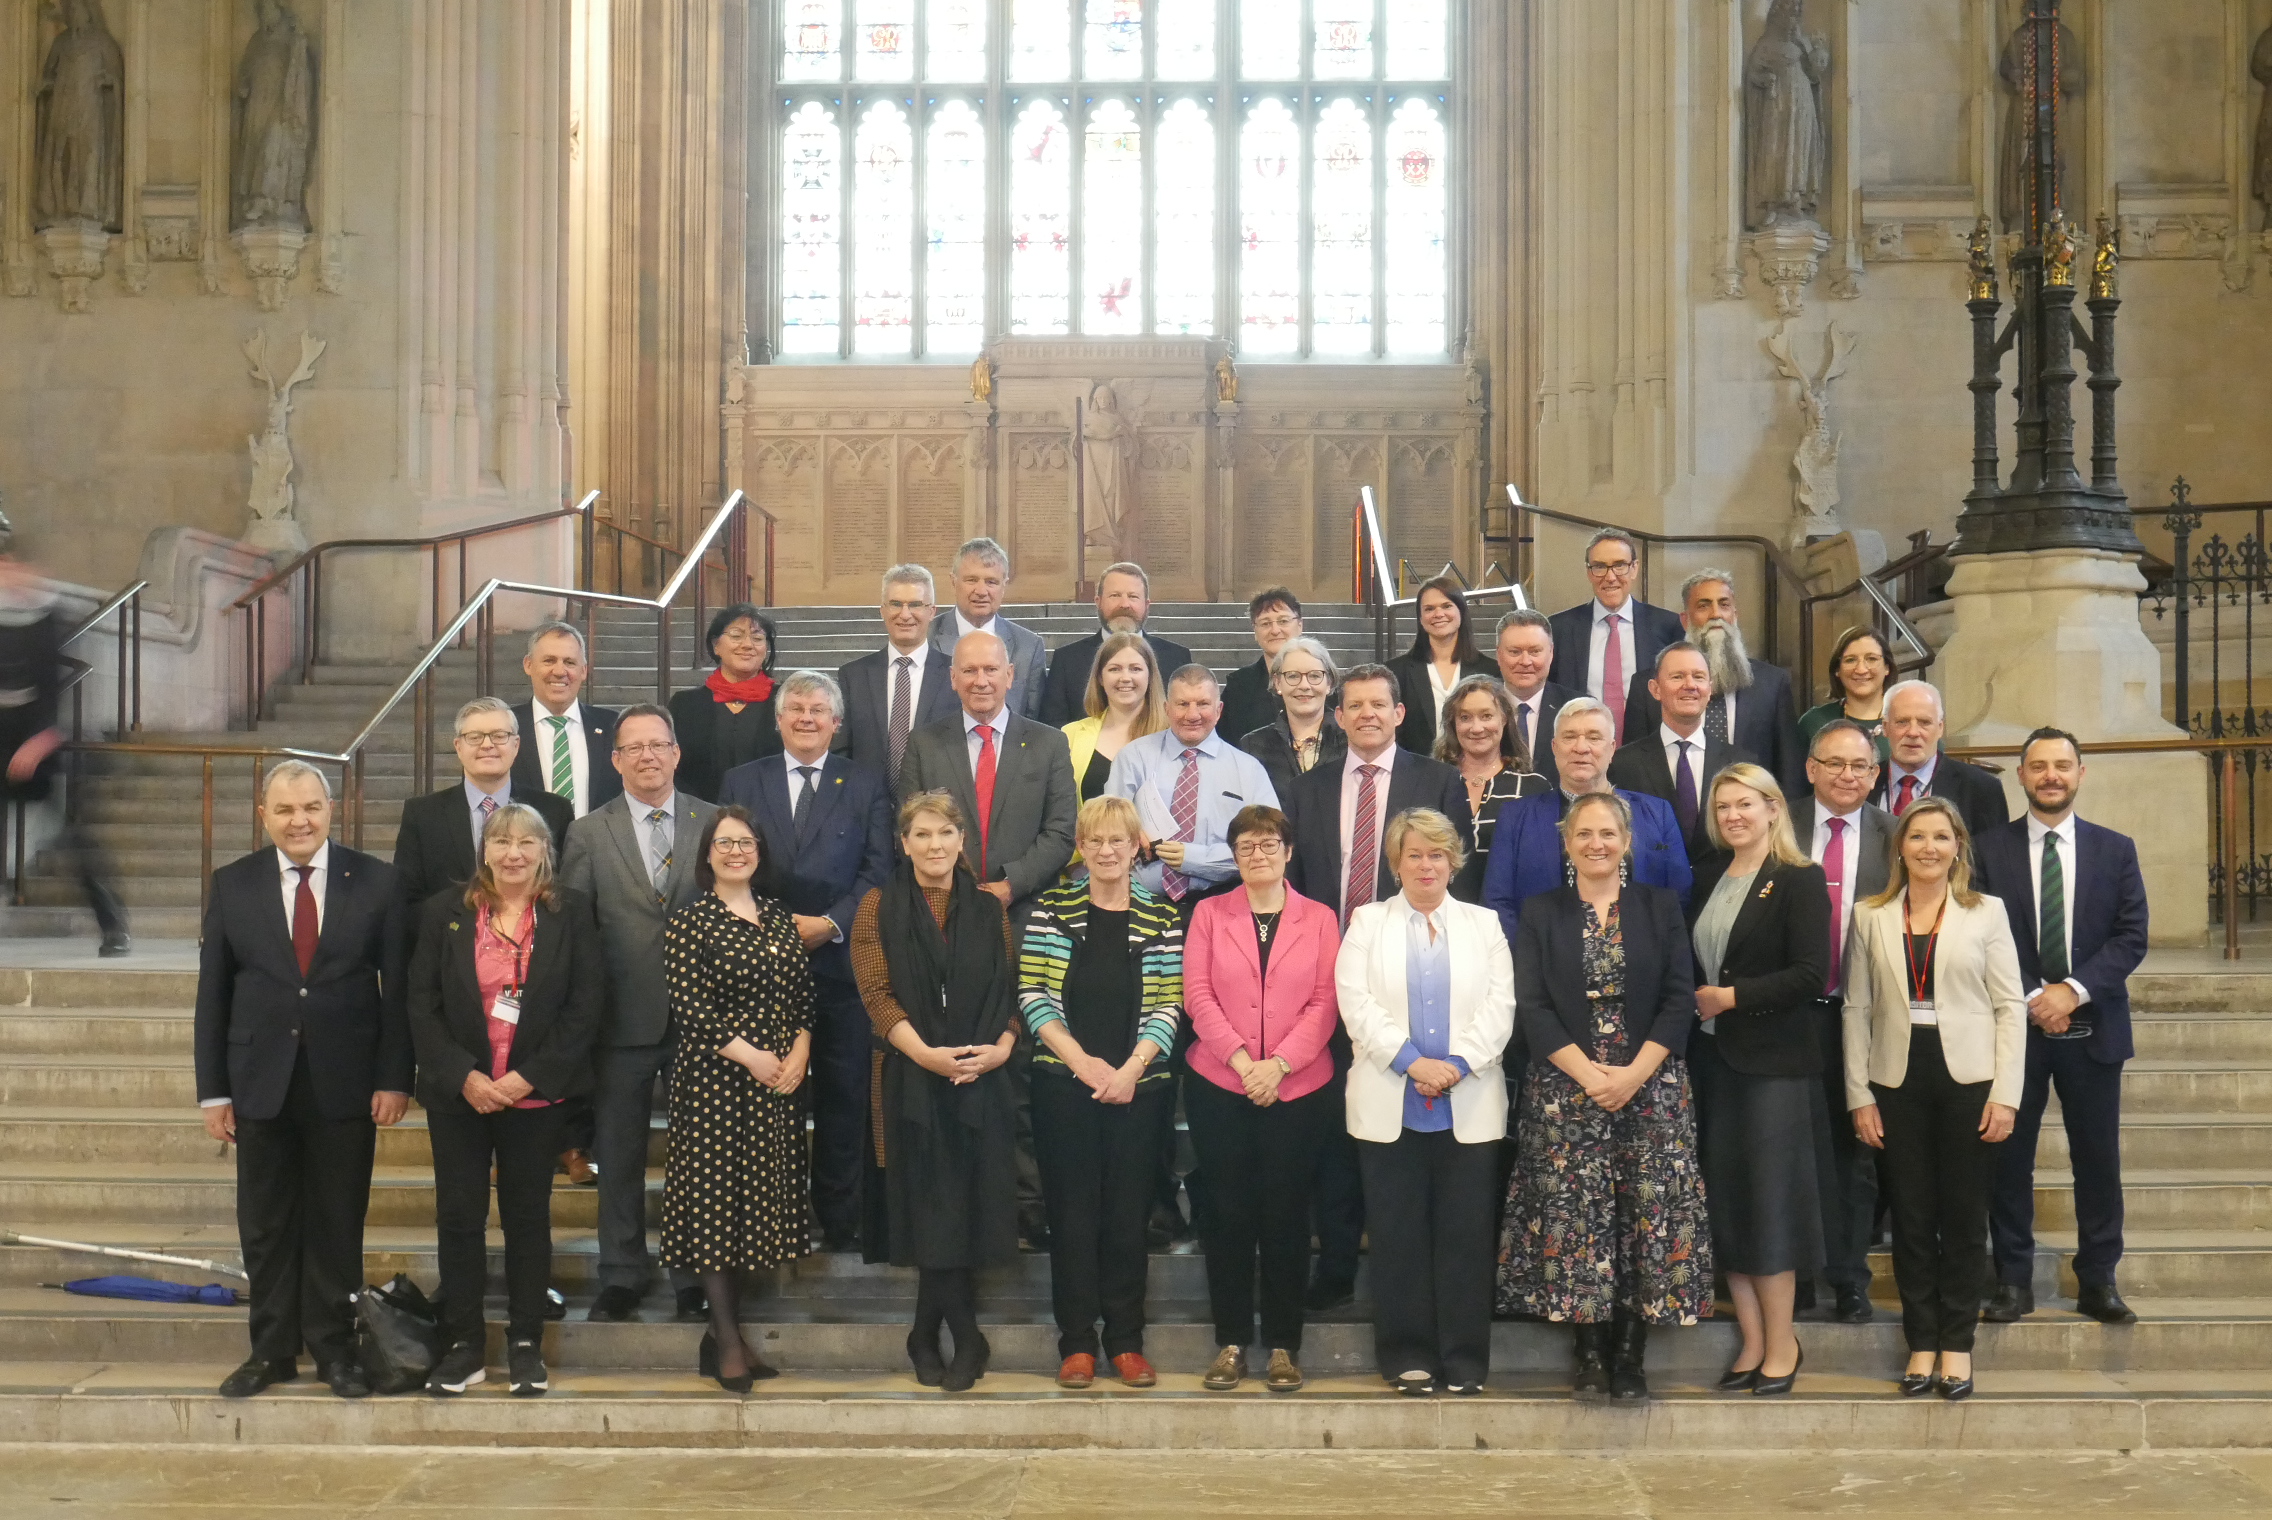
(1258, 982)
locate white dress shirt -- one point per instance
(579, 759)
(1597, 645)
(2065, 829)
(1671, 739)
(1000, 723)
(1852, 845)
(964, 627)
(318, 876)
(1349, 780)
(1924, 774)
(474, 792)
(918, 658)
(1526, 722)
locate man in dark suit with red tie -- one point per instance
(302, 1050)
(1914, 724)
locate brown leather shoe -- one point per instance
(578, 1165)
(1284, 1376)
(1227, 1370)
(1134, 1370)
(1077, 1371)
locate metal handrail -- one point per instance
(750, 588)
(1381, 593)
(127, 603)
(308, 567)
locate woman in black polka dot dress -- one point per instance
(741, 996)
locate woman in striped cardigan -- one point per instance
(1100, 982)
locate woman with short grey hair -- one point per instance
(1305, 678)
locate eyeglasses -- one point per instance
(905, 606)
(650, 747)
(499, 737)
(1280, 624)
(1257, 845)
(1620, 569)
(1306, 677)
(725, 846)
(1844, 767)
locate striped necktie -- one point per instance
(563, 768)
(659, 852)
(2051, 927)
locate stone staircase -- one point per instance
(99, 1141)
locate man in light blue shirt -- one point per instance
(1428, 996)
(1188, 783)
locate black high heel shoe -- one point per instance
(706, 1363)
(930, 1367)
(968, 1366)
(1771, 1387)
(1733, 1381)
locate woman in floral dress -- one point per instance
(1606, 1226)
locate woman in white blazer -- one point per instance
(1427, 991)
(1936, 1032)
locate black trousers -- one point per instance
(1846, 1170)
(1097, 1162)
(1938, 1173)
(2090, 1104)
(623, 1116)
(1435, 1220)
(842, 1046)
(1338, 1199)
(1259, 1164)
(303, 1185)
(523, 1143)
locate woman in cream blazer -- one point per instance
(1427, 991)
(1936, 1031)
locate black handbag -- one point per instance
(398, 1335)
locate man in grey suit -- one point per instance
(1853, 842)
(904, 686)
(1013, 779)
(981, 582)
(634, 859)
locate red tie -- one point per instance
(304, 924)
(1364, 845)
(1834, 867)
(1908, 795)
(985, 787)
(1613, 675)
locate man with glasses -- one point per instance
(1853, 843)
(569, 739)
(904, 686)
(634, 860)
(1249, 700)
(1124, 603)
(438, 845)
(1599, 644)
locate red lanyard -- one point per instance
(1919, 973)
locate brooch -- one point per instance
(453, 924)
(1767, 891)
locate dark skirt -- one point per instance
(1758, 1141)
(950, 1189)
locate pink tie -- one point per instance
(1613, 675)
(1183, 806)
(1834, 867)
(1363, 883)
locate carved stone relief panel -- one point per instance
(784, 475)
(857, 543)
(1171, 482)
(1040, 515)
(1271, 526)
(1344, 465)
(930, 500)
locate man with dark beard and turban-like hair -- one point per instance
(1751, 699)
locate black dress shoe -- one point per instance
(1854, 1307)
(1628, 1344)
(1732, 1381)
(1915, 1385)
(930, 1367)
(1955, 1390)
(346, 1379)
(617, 1304)
(2102, 1303)
(693, 1306)
(116, 942)
(257, 1374)
(2010, 1303)
(1413, 1385)
(1774, 1387)
(1329, 1293)
(1589, 1367)
(968, 1366)
(555, 1304)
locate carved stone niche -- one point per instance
(271, 257)
(1917, 223)
(75, 258)
(1789, 256)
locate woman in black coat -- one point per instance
(1760, 921)
(729, 719)
(1443, 653)
(506, 993)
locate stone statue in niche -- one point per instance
(2017, 154)
(1786, 132)
(80, 133)
(1815, 464)
(273, 526)
(1108, 464)
(2260, 64)
(275, 109)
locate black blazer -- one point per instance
(1549, 701)
(1978, 795)
(2106, 905)
(823, 864)
(866, 734)
(535, 759)
(1249, 702)
(561, 1003)
(1550, 975)
(1417, 732)
(1777, 959)
(1641, 767)
(256, 1012)
(1314, 809)
(713, 739)
(1653, 628)
(433, 848)
(1766, 726)
(1273, 745)
(1064, 694)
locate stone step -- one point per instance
(60, 1032)
(2174, 1140)
(2246, 992)
(2172, 1035)
(62, 1134)
(134, 845)
(2180, 1086)
(206, 1193)
(50, 987)
(2162, 1199)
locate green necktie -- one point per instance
(563, 769)
(2051, 921)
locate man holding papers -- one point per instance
(1188, 782)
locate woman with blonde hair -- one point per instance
(1759, 919)
(1936, 1031)
(1479, 735)
(1125, 699)
(506, 993)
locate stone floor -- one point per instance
(286, 1484)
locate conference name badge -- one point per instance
(507, 1008)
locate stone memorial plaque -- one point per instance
(1344, 466)
(859, 507)
(783, 480)
(1041, 507)
(1169, 486)
(1418, 511)
(1273, 481)
(930, 501)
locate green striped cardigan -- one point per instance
(1060, 919)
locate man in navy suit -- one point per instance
(825, 823)
(1599, 644)
(1526, 852)
(1525, 652)
(904, 686)
(2078, 909)
(1751, 706)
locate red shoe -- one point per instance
(1134, 1370)
(1078, 1371)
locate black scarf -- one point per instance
(953, 981)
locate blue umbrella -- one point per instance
(152, 1289)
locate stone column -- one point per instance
(2052, 638)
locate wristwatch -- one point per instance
(1284, 1069)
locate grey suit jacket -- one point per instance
(606, 862)
(1030, 837)
(1029, 657)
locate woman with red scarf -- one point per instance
(728, 720)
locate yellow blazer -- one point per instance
(1081, 738)
(1976, 994)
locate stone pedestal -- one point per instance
(75, 257)
(2053, 638)
(272, 257)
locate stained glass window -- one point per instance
(1274, 172)
(1041, 222)
(1112, 205)
(954, 199)
(1183, 221)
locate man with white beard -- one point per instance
(1751, 699)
